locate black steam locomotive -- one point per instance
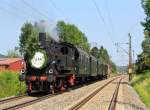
(57, 66)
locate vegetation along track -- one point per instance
(79, 104)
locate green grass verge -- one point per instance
(141, 83)
(9, 84)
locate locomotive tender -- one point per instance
(58, 65)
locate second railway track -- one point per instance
(113, 99)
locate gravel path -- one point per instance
(128, 99)
(62, 101)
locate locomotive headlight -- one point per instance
(51, 71)
(38, 60)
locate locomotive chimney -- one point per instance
(42, 39)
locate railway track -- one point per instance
(113, 102)
(11, 99)
(17, 102)
(24, 100)
(112, 105)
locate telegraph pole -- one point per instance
(130, 58)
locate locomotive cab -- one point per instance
(67, 57)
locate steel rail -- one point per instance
(113, 102)
(38, 99)
(11, 99)
(79, 104)
(27, 103)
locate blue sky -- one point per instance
(118, 18)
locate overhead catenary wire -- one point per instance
(19, 10)
(105, 25)
(103, 20)
(109, 17)
(10, 12)
(37, 11)
(58, 9)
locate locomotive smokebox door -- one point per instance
(42, 39)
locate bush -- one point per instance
(141, 84)
(9, 84)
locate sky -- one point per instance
(104, 22)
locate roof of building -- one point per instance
(7, 61)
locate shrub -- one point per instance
(9, 84)
(141, 84)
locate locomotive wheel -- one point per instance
(62, 85)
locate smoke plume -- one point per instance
(49, 28)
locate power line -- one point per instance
(99, 12)
(58, 9)
(103, 20)
(22, 12)
(109, 17)
(34, 9)
(2, 9)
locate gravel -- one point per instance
(130, 99)
(62, 101)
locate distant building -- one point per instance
(11, 64)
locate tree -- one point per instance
(104, 56)
(143, 61)
(12, 54)
(71, 34)
(28, 40)
(94, 52)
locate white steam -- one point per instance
(50, 28)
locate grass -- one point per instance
(9, 84)
(141, 83)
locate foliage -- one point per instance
(12, 54)
(113, 67)
(28, 39)
(71, 34)
(141, 84)
(143, 62)
(103, 55)
(9, 84)
(94, 51)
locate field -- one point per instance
(9, 84)
(141, 84)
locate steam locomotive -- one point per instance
(59, 65)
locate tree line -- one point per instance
(28, 40)
(143, 61)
